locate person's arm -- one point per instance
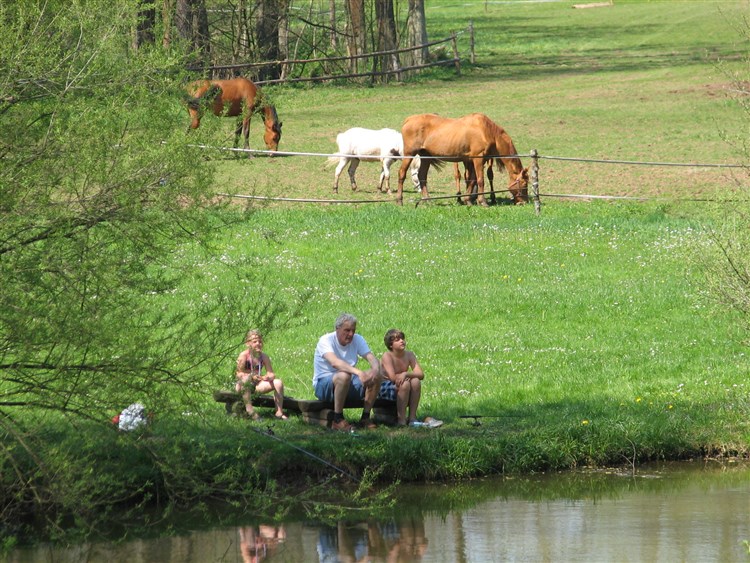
(389, 371)
(372, 359)
(416, 370)
(241, 361)
(340, 365)
(270, 375)
(367, 376)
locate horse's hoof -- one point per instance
(484, 203)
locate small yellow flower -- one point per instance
(638, 399)
(670, 407)
(584, 422)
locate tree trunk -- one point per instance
(386, 40)
(416, 33)
(166, 19)
(284, 35)
(191, 21)
(356, 37)
(332, 14)
(242, 48)
(267, 36)
(144, 28)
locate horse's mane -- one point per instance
(499, 135)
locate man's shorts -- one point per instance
(324, 389)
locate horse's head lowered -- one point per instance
(272, 135)
(518, 187)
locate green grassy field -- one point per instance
(589, 325)
(591, 318)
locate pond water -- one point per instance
(673, 512)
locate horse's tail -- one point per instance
(437, 163)
(340, 143)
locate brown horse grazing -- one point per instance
(473, 139)
(233, 98)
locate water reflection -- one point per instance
(686, 512)
(257, 543)
(404, 540)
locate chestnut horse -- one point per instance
(236, 97)
(473, 139)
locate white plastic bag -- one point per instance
(133, 417)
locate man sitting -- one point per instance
(336, 376)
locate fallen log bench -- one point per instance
(312, 412)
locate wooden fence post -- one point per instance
(535, 181)
(472, 56)
(455, 54)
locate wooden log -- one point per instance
(322, 417)
(312, 411)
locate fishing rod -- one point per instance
(271, 434)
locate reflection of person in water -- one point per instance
(411, 544)
(259, 542)
(346, 543)
(388, 541)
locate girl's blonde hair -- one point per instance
(253, 332)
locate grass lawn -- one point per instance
(587, 330)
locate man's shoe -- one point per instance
(367, 424)
(341, 425)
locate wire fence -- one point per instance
(287, 65)
(536, 193)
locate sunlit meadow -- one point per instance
(583, 335)
(588, 321)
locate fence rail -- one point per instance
(287, 64)
(536, 193)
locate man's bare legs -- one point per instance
(341, 383)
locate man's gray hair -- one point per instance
(344, 318)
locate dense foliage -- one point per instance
(97, 188)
